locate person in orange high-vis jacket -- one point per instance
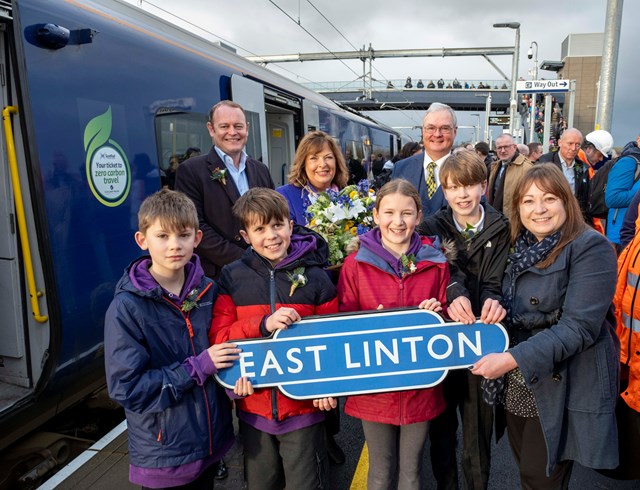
(596, 222)
(627, 305)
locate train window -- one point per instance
(175, 132)
(356, 147)
(254, 144)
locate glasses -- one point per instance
(434, 129)
(504, 148)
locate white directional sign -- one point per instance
(542, 86)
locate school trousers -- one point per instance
(462, 392)
(295, 460)
(395, 450)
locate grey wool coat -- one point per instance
(572, 365)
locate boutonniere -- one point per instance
(219, 174)
(191, 301)
(297, 278)
(408, 264)
(469, 232)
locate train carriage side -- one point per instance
(103, 95)
(94, 118)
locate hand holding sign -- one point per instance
(360, 353)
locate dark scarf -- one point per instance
(528, 252)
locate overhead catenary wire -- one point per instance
(341, 34)
(231, 43)
(314, 37)
(237, 46)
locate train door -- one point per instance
(18, 249)
(279, 131)
(273, 118)
(311, 115)
(250, 95)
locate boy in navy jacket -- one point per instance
(157, 355)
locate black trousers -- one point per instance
(462, 393)
(530, 452)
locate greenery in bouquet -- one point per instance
(340, 215)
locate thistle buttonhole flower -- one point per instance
(297, 278)
(219, 174)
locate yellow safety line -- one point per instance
(359, 481)
(22, 222)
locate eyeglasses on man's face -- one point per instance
(441, 129)
(504, 148)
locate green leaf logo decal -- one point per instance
(97, 132)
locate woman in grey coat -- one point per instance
(561, 370)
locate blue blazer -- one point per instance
(412, 169)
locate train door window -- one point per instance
(357, 149)
(177, 132)
(250, 95)
(254, 139)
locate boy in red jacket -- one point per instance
(278, 280)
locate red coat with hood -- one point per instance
(372, 277)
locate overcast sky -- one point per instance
(259, 27)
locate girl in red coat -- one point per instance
(395, 267)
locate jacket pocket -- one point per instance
(592, 380)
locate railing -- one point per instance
(22, 222)
(399, 84)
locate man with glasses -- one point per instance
(439, 127)
(575, 170)
(505, 174)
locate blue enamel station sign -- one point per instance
(371, 352)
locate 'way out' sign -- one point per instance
(542, 86)
(369, 352)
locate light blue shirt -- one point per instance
(239, 175)
(569, 173)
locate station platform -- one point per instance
(105, 466)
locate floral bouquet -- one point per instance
(340, 215)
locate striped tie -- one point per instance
(431, 179)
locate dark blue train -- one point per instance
(97, 96)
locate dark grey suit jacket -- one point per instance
(221, 241)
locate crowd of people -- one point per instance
(512, 239)
(449, 84)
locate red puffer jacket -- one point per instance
(367, 281)
(248, 287)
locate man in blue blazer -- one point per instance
(439, 128)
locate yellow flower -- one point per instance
(353, 194)
(312, 222)
(354, 231)
(348, 225)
